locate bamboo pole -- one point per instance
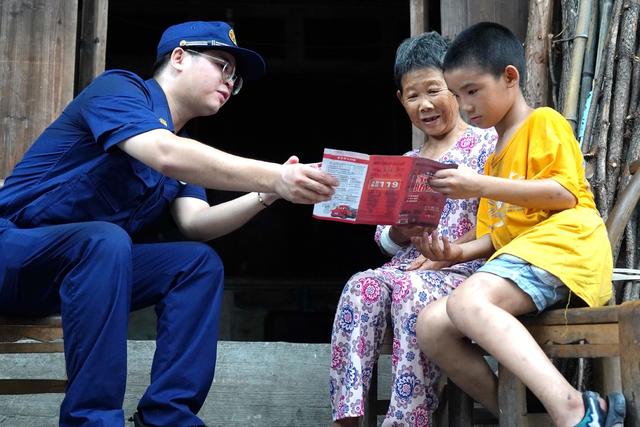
(570, 106)
(536, 47)
(604, 37)
(589, 65)
(569, 17)
(605, 22)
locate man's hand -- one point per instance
(304, 183)
(437, 249)
(422, 263)
(460, 183)
(301, 183)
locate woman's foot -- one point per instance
(347, 422)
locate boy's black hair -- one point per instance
(489, 46)
(425, 50)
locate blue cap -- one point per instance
(213, 35)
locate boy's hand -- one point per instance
(436, 249)
(422, 263)
(460, 183)
(301, 183)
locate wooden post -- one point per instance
(536, 48)
(419, 23)
(456, 15)
(37, 57)
(92, 45)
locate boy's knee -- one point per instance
(432, 323)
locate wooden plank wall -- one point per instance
(37, 61)
(92, 46)
(456, 15)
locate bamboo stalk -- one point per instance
(570, 106)
(537, 79)
(589, 65)
(626, 47)
(569, 17)
(604, 37)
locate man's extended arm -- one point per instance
(194, 162)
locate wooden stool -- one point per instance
(605, 332)
(31, 335)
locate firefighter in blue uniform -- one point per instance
(111, 165)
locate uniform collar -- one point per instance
(160, 104)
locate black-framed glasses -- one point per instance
(228, 70)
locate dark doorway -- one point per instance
(328, 84)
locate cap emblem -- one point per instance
(232, 36)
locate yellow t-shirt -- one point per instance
(571, 244)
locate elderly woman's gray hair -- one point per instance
(425, 50)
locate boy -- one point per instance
(538, 225)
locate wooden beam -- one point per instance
(456, 15)
(418, 23)
(92, 45)
(536, 53)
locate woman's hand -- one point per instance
(437, 249)
(402, 234)
(422, 263)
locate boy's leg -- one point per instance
(483, 309)
(360, 320)
(463, 362)
(83, 271)
(185, 282)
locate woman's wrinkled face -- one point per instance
(430, 105)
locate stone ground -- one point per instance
(262, 384)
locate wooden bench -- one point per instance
(20, 335)
(610, 333)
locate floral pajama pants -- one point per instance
(369, 299)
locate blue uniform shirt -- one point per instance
(74, 172)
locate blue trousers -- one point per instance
(93, 275)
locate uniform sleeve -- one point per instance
(117, 106)
(190, 190)
(553, 151)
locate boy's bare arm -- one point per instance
(422, 263)
(533, 193)
(440, 249)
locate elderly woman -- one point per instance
(399, 289)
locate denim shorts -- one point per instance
(544, 288)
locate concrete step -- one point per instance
(262, 384)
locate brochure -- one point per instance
(378, 189)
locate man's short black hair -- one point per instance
(425, 50)
(489, 46)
